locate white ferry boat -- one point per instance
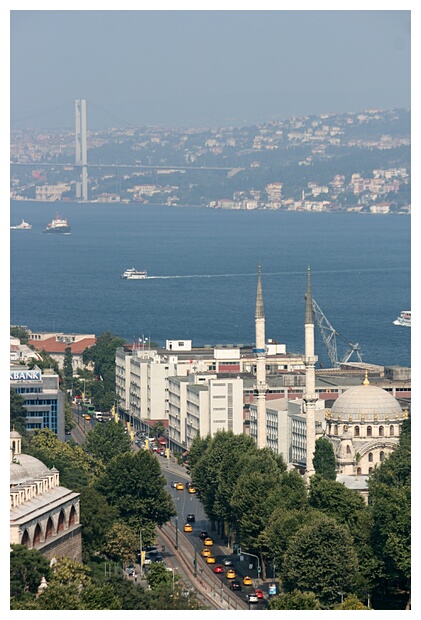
(22, 226)
(58, 225)
(404, 319)
(134, 274)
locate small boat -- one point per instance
(404, 319)
(22, 226)
(134, 274)
(58, 225)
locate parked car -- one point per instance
(147, 560)
(235, 585)
(130, 570)
(190, 518)
(252, 598)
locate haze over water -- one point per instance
(202, 267)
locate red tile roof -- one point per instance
(50, 345)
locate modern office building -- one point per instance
(43, 399)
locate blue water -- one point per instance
(202, 266)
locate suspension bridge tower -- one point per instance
(81, 150)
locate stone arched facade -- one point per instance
(43, 514)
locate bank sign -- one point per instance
(25, 375)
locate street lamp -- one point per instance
(176, 533)
(141, 554)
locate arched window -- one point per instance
(392, 430)
(381, 431)
(60, 524)
(369, 431)
(49, 531)
(25, 539)
(358, 471)
(335, 429)
(370, 457)
(382, 456)
(370, 471)
(357, 431)
(37, 534)
(348, 450)
(72, 518)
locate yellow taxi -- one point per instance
(208, 542)
(206, 552)
(179, 486)
(210, 559)
(86, 416)
(230, 574)
(188, 527)
(247, 581)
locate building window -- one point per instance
(392, 431)
(348, 450)
(381, 456)
(370, 471)
(357, 431)
(381, 431)
(335, 429)
(358, 471)
(369, 431)
(370, 457)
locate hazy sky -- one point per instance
(204, 68)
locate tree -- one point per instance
(102, 355)
(121, 542)
(17, 331)
(320, 558)
(68, 368)
(17, 413)
(295, 600)
(69, 422)
(390, 503)
(324, 461)
(334, 499)
(27, 568)
(76, 467)
(351, 602)
(97, 517)
(105, 441)
(133, 482)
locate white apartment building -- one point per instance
(201, 405)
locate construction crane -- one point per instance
(329, 335)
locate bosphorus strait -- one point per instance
(202, 270)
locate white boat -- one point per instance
(58, 225)
(404, 319)
(134, 274)
(22, 226)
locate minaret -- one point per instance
(310, 397)
(260, 354)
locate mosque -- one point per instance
(363, 424)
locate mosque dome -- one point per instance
(25, 468)
(365, 402)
